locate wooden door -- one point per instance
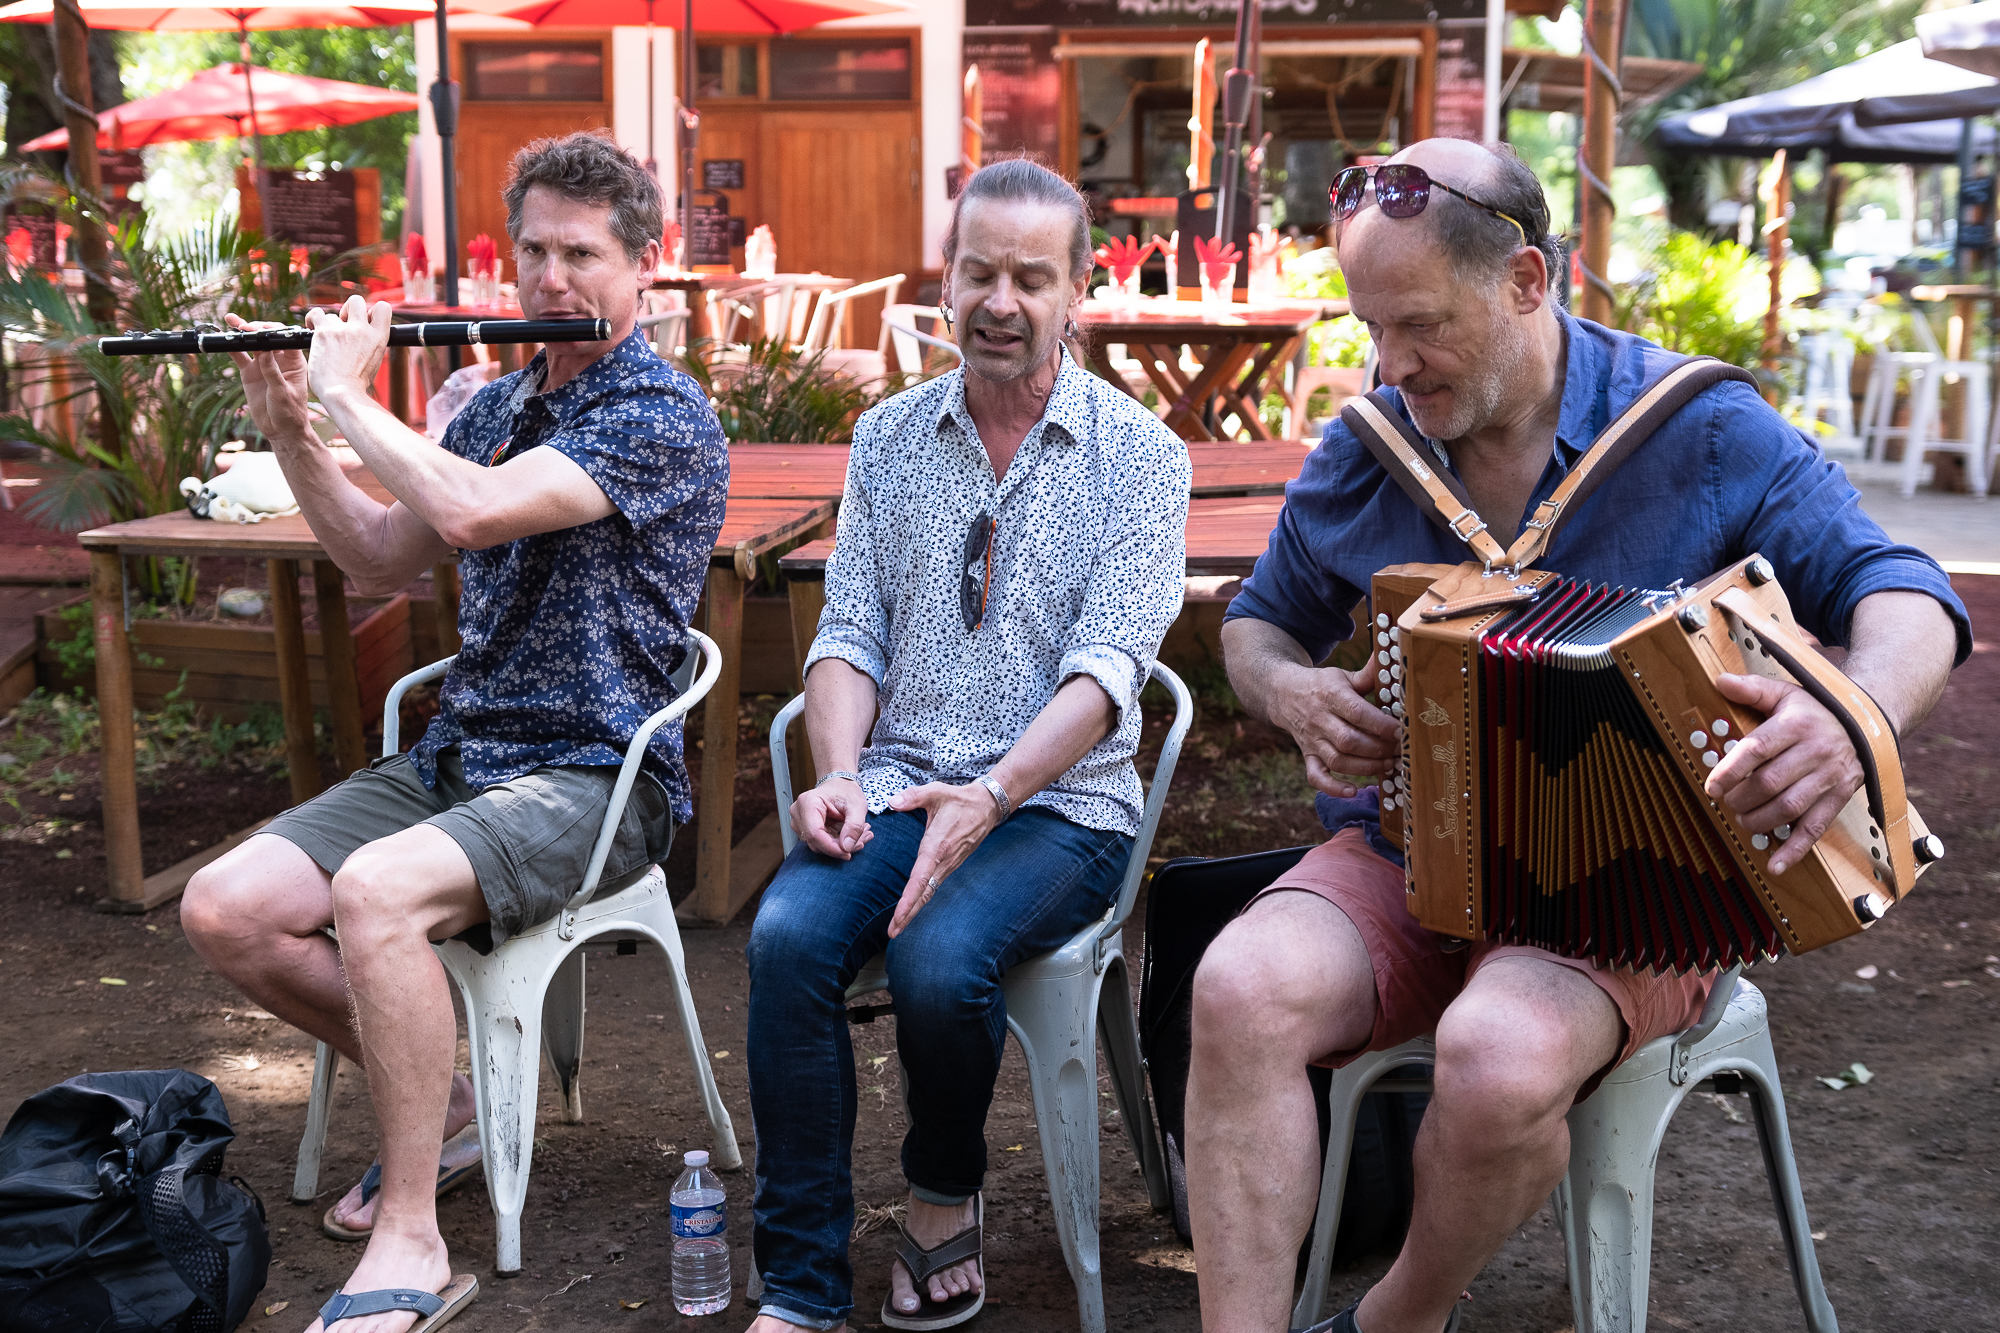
(489, 134)
(840, 192)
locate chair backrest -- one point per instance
(900, 330)
(1156, 791)
(832, 305)
(730, 308)
(666, 330)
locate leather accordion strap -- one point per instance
(1403, 454)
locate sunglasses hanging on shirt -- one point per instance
(976, 582)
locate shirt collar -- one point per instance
(1068, 405)
(627, 357)
(1584, 412)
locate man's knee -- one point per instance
(225, 904)
(1269, 988)
(794, 936)
(1518, 1062)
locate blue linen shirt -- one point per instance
(1726, 476)
(570, 636)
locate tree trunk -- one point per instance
(72, 49)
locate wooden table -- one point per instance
(284, 543)
(819, 471)
(750, 528)
(1237, 351)
(1224, 537)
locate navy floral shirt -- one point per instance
(570, 636)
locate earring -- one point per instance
(944, 310)
(1070, 329)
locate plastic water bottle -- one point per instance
(701, 1241)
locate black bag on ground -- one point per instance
(1188, 903)
(114, 1215)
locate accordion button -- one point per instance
(1782, 832)
(1759, 841)
(1382, 621)
(1383, 658)
(1710, 758)
(1721, 727)
(1381, 640)
(1388, 803)
(1729, 747)
(1699, 740)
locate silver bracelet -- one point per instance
(992, 784)
(854, 778)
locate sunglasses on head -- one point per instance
(976, 582)
(1402, 190)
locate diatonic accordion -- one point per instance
(1557, 736)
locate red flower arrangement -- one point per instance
(417, 253)
(482, 255)
(1215, 259)
(1123, 255)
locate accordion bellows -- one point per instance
(1558, 735)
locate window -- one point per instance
(725, 71)
(546, 72)
(862, 70)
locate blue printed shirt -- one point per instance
(570, 636)
(1726, 476)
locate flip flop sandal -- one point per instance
(435, 1311)
(922, 1263)
(449, 1179)
(1344, 1321)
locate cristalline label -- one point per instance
(700, 1219)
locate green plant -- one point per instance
(779, 395)
(1698, 298)
(1334, 342)
(149, 421)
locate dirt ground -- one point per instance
(1899, 1174)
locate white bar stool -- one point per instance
(1829, 375)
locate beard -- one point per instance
(1027, 356)
(1478, 392)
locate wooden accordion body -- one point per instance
(1557, 736)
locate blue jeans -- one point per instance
(1034, 883)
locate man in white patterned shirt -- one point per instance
(1010, 554)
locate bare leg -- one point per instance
(1283, 984)
(931, 1225)
(257, 916)
(390, 900)
(1512, 1051)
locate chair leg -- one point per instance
(1781, 1169)
(1056, 1025)
(319, 1109)
(562, 1033)
(1978, 403)
(1118, 1029)
(506, 1048)
(1609, 1204)
(1925, 383)
(724, 1152)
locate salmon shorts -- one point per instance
(1417, 978)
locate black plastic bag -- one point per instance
(114, 1215)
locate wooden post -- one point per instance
(118, 776)
(1201, 138)
(71, 35)
(715, 817)
(294, 685)
(343, 685)
(1777, 239)
(444, 585)
(1603, 50)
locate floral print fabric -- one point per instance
(570, 636)
(1088, 560)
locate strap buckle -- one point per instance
(1467, 534)
(1545, 515)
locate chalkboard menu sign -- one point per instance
(1021, 83)
(712, 233)
(313, 209)
(722, 173)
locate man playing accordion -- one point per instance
(1449, 263)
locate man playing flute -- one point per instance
(583, 496)
(1449, 263)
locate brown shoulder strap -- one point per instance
(1444, 501)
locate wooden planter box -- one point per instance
(231, 668)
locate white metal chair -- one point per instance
(528, 993)
(1829, 372)
(825, 331)
(1605, 1203)
(908, 340)
(1058, 1007)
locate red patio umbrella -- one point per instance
(215, 104)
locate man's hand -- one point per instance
(832, 819)
(956, 820)
(1337, 727)
(1796, 767)
(274, 387)
(347, 349)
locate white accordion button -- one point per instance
(1721, 727)
(1759, 841)
(1382, 621)
(1729, 747)
(1395, 633)
(1388, 803)
(1381, 640)
(1383, 658)
(1783, 831)
(1710, 758)
(1699, 740)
